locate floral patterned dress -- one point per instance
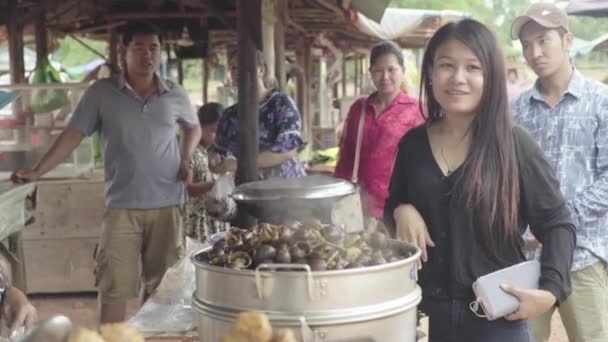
(279, 130)
(198, 223)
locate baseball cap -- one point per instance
(544, 14)
(7, 97)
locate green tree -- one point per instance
(71, 53)
(499, 14)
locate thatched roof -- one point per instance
(208, 24)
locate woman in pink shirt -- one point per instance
(389, 114)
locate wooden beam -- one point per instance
(279, 37)
(154, 15)
(100, 27)
(357, 80)
(343, 77)
(218, 13)
(42, 48)
(88, 47)
(180, 71)
(297, 26)
(304, 60)
(64, 8)
(113, 45)
(15, 44)
(248, 23)
(205, 66)
(267, 22)
(330, 6)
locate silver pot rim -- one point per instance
(322, 317)
(327, 273)
(303, 188)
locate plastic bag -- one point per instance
(47, 100)
(218, 202)
(169, 309)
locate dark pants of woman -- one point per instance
(453, 321)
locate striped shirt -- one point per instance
(574, 136)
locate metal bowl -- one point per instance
(55, 329)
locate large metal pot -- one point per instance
(393, 321)
(277, 200)
(379, 301)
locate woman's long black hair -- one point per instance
(489, 185)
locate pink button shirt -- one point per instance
(381, 135)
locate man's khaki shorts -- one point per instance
(135, 249)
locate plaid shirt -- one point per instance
(574, 137)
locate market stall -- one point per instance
(58, 246)
(320, 308)
(309, 266)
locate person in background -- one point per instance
(146, 170)
(567, 114)
(467, 184)
(279, 130)
(388, 113)
(514, 84)
(17, 311)
(199, 224)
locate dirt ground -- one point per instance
(81, 309)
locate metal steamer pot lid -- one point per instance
(307, 187)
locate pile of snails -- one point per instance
(321, 246)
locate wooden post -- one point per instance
(304, 59)
(356, 70)
(363, 68)
(15, 45)
(167, 70)
(301, 83)
(249, 39)
(279, 42)
(180, 71)
(113, 45)
(15, 53)
(359, 74)
(42, 48)
(268, 20)
(15, 49)
(344, 77)
(248, 23)
(335, 93)
(205, 67)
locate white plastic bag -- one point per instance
(169, 309)
(218, 202)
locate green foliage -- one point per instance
(588, 28)
(499, 14)
(71, 53)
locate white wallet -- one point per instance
(493, 300)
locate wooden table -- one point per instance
(59, 245)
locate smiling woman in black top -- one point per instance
(467, 184)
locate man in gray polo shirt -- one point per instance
(145, 169)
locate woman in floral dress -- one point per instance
(279, 130)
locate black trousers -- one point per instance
(452, 320)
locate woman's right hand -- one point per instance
(411, 228)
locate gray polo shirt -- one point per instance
(140, 150)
